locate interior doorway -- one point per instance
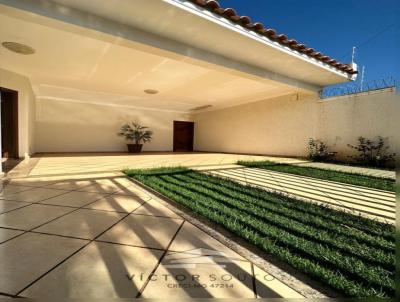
(9, 123)
(183, 136)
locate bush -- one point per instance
(318, 151)
(372, 153)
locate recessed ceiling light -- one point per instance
(151, 91)
(18, 48)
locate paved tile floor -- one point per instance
(81, 163)
(74, 226)
(67, 230)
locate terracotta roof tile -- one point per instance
(245, 21)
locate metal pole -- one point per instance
(362, 79)
(353, 54)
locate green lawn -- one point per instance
(349, 178)
(351, 254)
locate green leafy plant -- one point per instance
(372, 153)
(318, 150)
(136, 133)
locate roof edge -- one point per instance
(257, 27)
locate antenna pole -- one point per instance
(362, 78)
(353, 54)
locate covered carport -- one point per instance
(87, 69)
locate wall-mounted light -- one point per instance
(18, 48)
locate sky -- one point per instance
(333, 27)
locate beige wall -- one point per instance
(341, 120)
(261, 128)
(282, 126)
(63, 126)
(26, 109)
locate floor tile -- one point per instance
(34, 195)
(70, 184)
(6, 234)
(12, 189)
(123, 181)
(133, 190)
(32, 182)
(30, 255)
(215, 277)
(190, 239)
(31, 216)
(155, 208)
(100, 270)
(82, 223)
(117, 203)
(103, 187)
(267, 286)
(144, 231)
(8, 205)
(73, 199)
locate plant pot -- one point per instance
(134, 148)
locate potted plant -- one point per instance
(137, 134)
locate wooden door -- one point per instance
(9, 123)
(183, 136)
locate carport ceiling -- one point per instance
(68, 66)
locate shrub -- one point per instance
(318, 151)
(372, 153)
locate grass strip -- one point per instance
(279, 206)
(280, 233)
(290, 223)
(359, 267)
(338, 176)
(367, 226)
(337, 281)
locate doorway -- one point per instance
(9, 123)
(183, 136)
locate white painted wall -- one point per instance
(282, 126)
(63, 126)
(26, 109)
